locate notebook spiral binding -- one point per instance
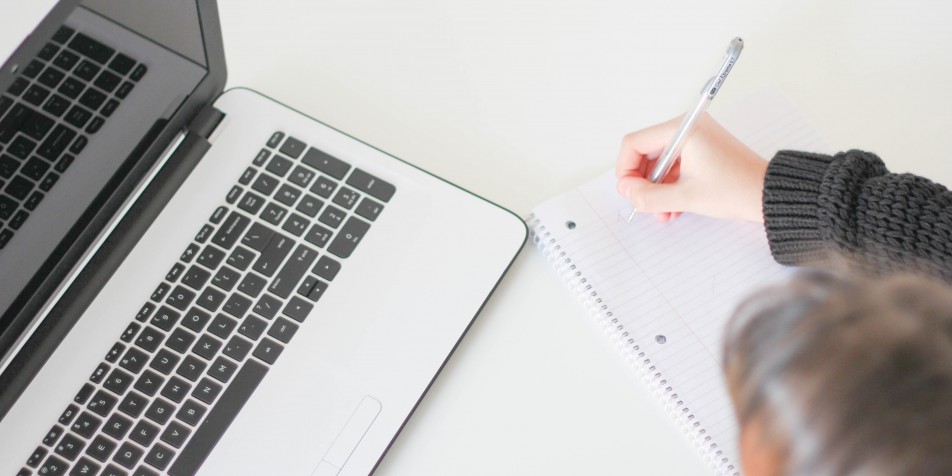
(601, 313)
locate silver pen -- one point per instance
(711, 87)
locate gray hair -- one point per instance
(847, 375)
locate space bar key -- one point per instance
(218, 419)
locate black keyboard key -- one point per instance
(32, 202)
(115, 352)
(252, 285)
(51, 77)
(159, 456)
(324, 186)
(71, 88)
(301, 176)
(180, 340)
(7, 206)
(174, 273)
(102, 403)
(290, 276)
(251, 202)
(346, 198)
(237, 305)
(189, 253)
(128, 455)
(222, 326)
(278, 248)
(53, 466)
(279, 166)
(18, 219)
(134, 360)
(229, 233)
(87, 70)
(369, 209)
(332, 216)
(297, 309)
(191, 412)
(113, 470)
(36, 94)
(70, 447)
(375, 187)
(48, 52)
(133, 404)
(85, 425)
(211, 257)
(91, 48)
(122, 64)
(292, 147)
(207, 390)
(241, 258)
(66, 60)
(92, 99)
(78, 116)
(36, 457)
(13, 121)
(246, 176)
(56, 105)
(327, 268)
(206, 347)
(237, 348)
(5, 237)
(283, 330)
(268, 350)
(175, 434)
(191, 368)
(49, 181)
(326, 163)
(261, 158)
(8, 166)
(196, 277)
(226, 278)
(218, 215)
(267, 306)
(67, 416)
(84, 393)
(116, 426)
(233, 194)
(166, 318)
(257, 237)
(307, 285)
(79, 144)
(310, 205)
(19, 85)
(150, 339)
(274, 213)
(84, 467)
(180, 298)
(56, 142)
(101, 448)
(275, 139)
(95, 125)
(318, 235)
(138, 72)
(176, 389)
(296, 224)
(124, 89)
(37, 126)
(32, 70)
(222, 369)
(149, 383)
(118, 381)
(317, 291)
(265, 184)
(348, 238)
(219, 418)
(63, 34)
(53, 435)
(5, 104)
(287, 195)
(99, 374)
(160, 411)
(109, 108)
(165, 361)
(161, 291)
(196, 319)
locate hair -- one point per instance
(847, 375)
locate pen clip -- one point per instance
(733, 52)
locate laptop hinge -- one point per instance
(206, 121)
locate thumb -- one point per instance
(653, 197)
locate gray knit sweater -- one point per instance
(850, 204)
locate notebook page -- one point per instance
(672, 287)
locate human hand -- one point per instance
(716, 174)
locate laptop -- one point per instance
(206, 282)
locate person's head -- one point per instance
(844, 376)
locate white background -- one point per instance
(521, 100)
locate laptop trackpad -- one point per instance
(348, 439)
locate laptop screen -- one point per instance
(82, 98)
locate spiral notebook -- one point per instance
(663, 292)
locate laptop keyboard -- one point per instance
(60, 98)
(192, 356)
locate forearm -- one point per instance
(850, 204)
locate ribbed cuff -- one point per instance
(791, 196)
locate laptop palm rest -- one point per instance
(349, 437)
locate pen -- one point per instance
(711, 87)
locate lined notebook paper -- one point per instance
(664, 292)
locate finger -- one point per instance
(637, 146)
(651, 197)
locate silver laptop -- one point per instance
(207, 282)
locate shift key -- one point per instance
(287, 280)
(273, 254)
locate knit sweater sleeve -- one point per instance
(850, 204)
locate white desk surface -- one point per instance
(521, 100)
